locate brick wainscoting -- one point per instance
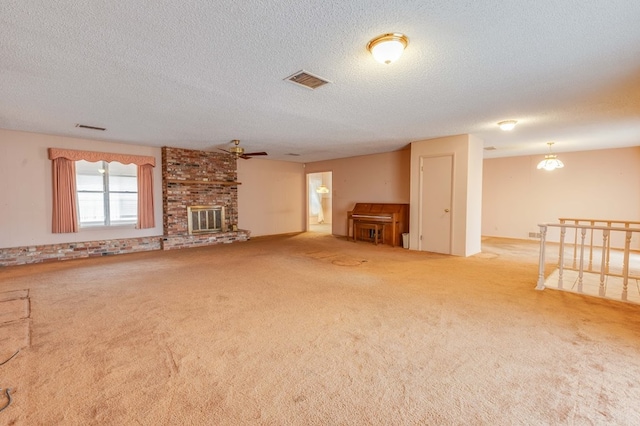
(65, 251)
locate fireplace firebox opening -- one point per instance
(204, 219)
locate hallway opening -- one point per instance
(319, 202)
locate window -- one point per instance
(103, 189)
(107, 193)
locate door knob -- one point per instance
(446, 210)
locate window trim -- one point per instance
(106, 199)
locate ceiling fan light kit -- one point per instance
(238, 151)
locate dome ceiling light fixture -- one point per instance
(507, 125)
(387, 48)
(322, 189)
(550, 161)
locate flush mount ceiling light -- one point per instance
(550, 161)
(388, 47)
(507, 125)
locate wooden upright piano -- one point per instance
(391, 219)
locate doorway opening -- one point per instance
(319, 208)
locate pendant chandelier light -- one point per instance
(550, 161)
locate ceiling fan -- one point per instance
(238, 151)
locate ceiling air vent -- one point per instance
(84, 126)
(490, 148)
(308, 80)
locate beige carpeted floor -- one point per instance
(312, 329)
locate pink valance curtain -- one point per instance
(92, 156)
(65, 216)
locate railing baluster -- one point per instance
(583, 234)
(625, 265)
(608, 249)
(591, 246)
(563, 231)
(543, 237)
(575, 245)
(605, 240)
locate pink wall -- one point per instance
(378, 178)
(603, 184)
(25, 189)
(515, 196)
(271, 198)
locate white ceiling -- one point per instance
(196, 74)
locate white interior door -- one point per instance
(436, 203)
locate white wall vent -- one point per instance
(84, 126)
(306, 79)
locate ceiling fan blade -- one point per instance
(224, 150)
(255, 153)
(244, 157)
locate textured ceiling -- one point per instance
(197, 74)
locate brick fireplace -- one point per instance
(192, 178)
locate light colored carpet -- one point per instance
(315, 330)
